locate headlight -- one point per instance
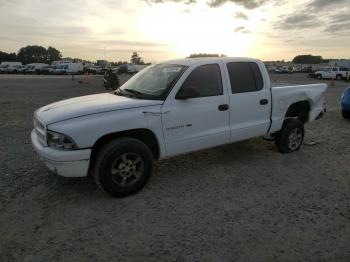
(60, 141)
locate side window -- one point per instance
(244, 77)
(206, 79)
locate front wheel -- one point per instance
(291, 136)
(123, 166)
(345, 114)
(319, 76)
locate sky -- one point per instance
(166, 29)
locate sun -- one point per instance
(199, 30)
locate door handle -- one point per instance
(264, 102)
(223, 107)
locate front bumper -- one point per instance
(74, 163)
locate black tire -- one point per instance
(346, 114)
(291, 136)
(107, 160)
(339, 77)
(319, 76)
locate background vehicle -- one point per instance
(69, 68)
(283, 70)
(345, 103)
(95, 70)
(332, 73)
(9, 66)
(14, 69)
(3, 68)
(133, 68)
(35, 68)
(163, 111)
(48, 70)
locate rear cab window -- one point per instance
(244, 77)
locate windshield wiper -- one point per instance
(135, 92)
(128, 93)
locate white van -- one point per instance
(34, 68)
(5, 66)
(70, 68)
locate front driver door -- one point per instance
(201, 122)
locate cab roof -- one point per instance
(193, 61)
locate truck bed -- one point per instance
(283, 96)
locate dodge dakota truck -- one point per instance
(168, 109)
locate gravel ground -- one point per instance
(239, 202)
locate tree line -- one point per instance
(39, 54)
(309, 59)
(32, 54)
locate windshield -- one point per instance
(153, 81)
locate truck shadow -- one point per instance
(228, 160)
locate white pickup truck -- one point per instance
(333, 73)
(168, 109)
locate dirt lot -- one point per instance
(239, 202)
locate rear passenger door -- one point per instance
(250, 100)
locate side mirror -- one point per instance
(186, 93)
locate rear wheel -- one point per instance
(291, 136)
(123, 166)
(346, 114)
(319, 76)
(339, 77)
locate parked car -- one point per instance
(332, 73)
(345, 103)
(48, 70)
(163, 111)
(283, 70)
(133, 68)
(95, 70)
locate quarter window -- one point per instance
(244, 77)
(206, 79)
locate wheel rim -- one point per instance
(295, 138)
(127, 169)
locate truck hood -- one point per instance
(86, 105)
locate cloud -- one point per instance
(241, 15)
(242, 29)
(298, 21)
(248, 4)
(340, 17)
(165, 1)
(318, 5)
(129, 43)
